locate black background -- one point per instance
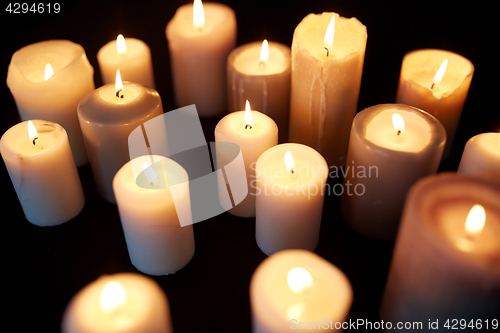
(44, 267)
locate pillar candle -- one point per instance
(107, 120)
(152, 195)
(253, 139)
(446, 261)
(122, 302)
(43, 172)
(481, 157)
(54, 96)
(382, 165)
(293, 289)
(260, 72)
(289, 197)
(131, 56)
(326, 78)
(198, 55)
(445, 100)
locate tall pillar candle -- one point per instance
(199, 45)
(107, 116)
(129, 55)
(150, 206)
(326, 78)
(442, 93)
(260, 72)
(253, 139)
(294, 289)
(290, 190)
(43, 172)
(48, 79)
(122, 302)
(446, 261)
(387, 155)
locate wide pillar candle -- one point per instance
(325, 83)
(198, 56)
(41, 94)
(293, 289)
(446, 261)
(383, 161)
(289, 198)
(43, 172)
(442, 96)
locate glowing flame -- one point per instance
(149, 172)
(475, 220)
(264, 52)
(439, 74)
(112, 296)
(299, 279)
(33, 134)
(295, 311)
(248, 116)
(329, 34)
(121, 46)
(48, 72)
(289, 161)
(398, 123)
(198, 15)
(118, 84)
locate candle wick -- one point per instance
(399, 132)
(119, 93)
(34, 141)
(432, 85)
(262, 64)
(248, 126)
(327, 51)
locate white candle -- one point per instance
(54, 97)
(383, 161)
(293, 289)
(131, 56)
(107, 116)
(152, 194)
(198, 51)
(43, 172)
(446, 259)
(254, 133)
(440, 93)
(289, 198)
(326, 78)
(260, 72)
(123, 302)
(481, 157)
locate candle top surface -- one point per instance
(235, 124)
(134, 48)
(488, 141)
(246, 59)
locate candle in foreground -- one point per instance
(327, 64)
(260, 72)
(437, 82)
(152, 194)
(107, 116)
(295, 288)
(42, 169)
(123, 302)
(446, 261)
(391, 147)
(48, 79)
(200, 38)
(290, 181)
(481, 157)
(254, 133)
(131, 56)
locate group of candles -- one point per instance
(311, 90)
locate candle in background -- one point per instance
(131, 56)
(326, 77)
(107, 116)
(150, 207)
(437, 82)
(42, 169)
(254, 133)
(446, 259)
(290, 181)
(199, 44)
(298, 286)
(481, 157)
(391, 147)
(260, 72)
(48, 79)
(123, 302)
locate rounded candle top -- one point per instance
(134, 48)
(247, 60)
(235, 124)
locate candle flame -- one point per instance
(329, 35)
(198, 15)
(264, 52)
(398, 123)
(295, 311)
(118, 85)
(439, 74)
(475, 220)
(49, 71)
(149, 172)
(33, 134)
(121, 46)
(248, 116)
(299, 279)
(112, 296)
(289, 161)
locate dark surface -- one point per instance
(44, 267)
